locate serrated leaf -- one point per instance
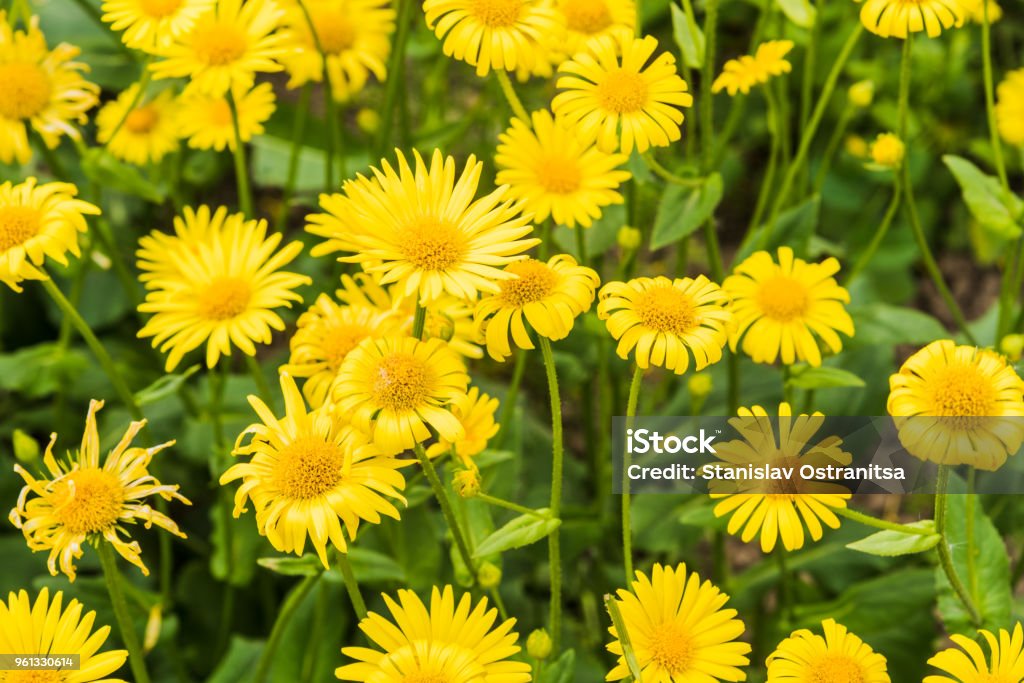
(895, 543)
(807, 377)
(997, 210)
(99, 166)
(800, 12)
(684, 209)
(521, 531)
(688, 36)
(163, 387)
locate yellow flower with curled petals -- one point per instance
(475, 411)
(900, 18)
(837, 656)
(743, 73)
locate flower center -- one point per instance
(587, 16)
(218, 44)
(558, 175)
(26, 92)
(622, 92)
(159, 8)
(224, 298)
(18, 224)
(783, 298)
(430, 244)
(962, 391)
(666, 309)
(399, 382)
(335, 32)
(142, 120)
(836, 669)
(535, 281)
(28, 676)
(496, 13)
(672, 649)
(340, 340)
(88, 501)
(308, 467)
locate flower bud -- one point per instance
(888, 150)
(856, 146)
(26, 449)
(700, 385)
(538, 644)
(368, 121)
(861, 94)
(629, 238)
(488, 576)
(1012, 346)
(466, 483)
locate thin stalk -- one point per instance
(707, 131)
(446, 509)
(943, 548)
(509, 505)
(509, 404)
(627, 526)
(329, 104)
(136, 655)
(879, 236)
(352, 586)
(581, 244)
(394, 82)
(419, 320)
(785, 590)
(262, 387)
(668, 175)
(298, 142)
(241, 168)
(868, 520)
(291, 605)
(990, 99)
(557, 463)
(774, 126)
(509, 92)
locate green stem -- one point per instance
(298, 142)
(352, 586)
(291, 605)
(612, 605)
(262, 387)
(943, 548)
(627, 525)
(446, 509)
(707, 107)
(241, 168)
(838, 133)
(868, 520)
(579, 233)
(785, 590)
(990, 100)
(394, 82)
(509, 92)
(879, 236)
(329, 104)
(419, 320)
(774, 125)
(130, 638)
(557, 457)
(144, 79)
(508, 407)
(668, 175)
(509, 505)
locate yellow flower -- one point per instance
(394, 387)
(355, 35)
(311, 473)
(780, 308)
(779, 508)
(466, 484)
(423, 229)
(899, 18)
(678, 629)
(48, 627)
(37, 221)
(492, 34)
(623, 101)
(958, 405)
(42, 90)
(743, 73)
(206, 119)
(666, 320)
(475, 411)
(160, 254)
(588, 21)
(856, 146)
(548, 295)
(887, 150)
(861, 94)
(1010, 108)
(149, 25)
(446, 641)
(555, 174)
(85, 501)
(968, 664)
(226, 47)
(839, 656)
(219, 286)
(976, 10)
(149, 131)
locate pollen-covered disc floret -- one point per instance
(966, 663)
(839, 656)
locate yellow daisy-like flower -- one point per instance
(958, 405)
(447, 641)
(149, 132)
(158, 253)
(149, 25)
(85, 501)
(226, 47)
(839, 656)
(888, 150)
(220, 289)
(588, 21)
(492, 34)
(355, 35)
(475, 411)
(38, 221)
(678, 629)
(311, 473)
(779, 309)
(976, 10)
(968, 664)
(394, 387)
(743, 73)
(899, 18)
(623, 102)
(48, 626)
(1010, 108)
(423, 229)
(206, 119)
(42, 90)
(779, 509)
(326, 333)
(549, 296)
(667, 320)
(555, 174)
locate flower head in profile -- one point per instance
(1010, 108)
(976, 10)
(36, 222)
(206, 119)
(781, 309)
(887, 151)
(310, 473)
(678, 629)
(617, 95)
(81, 500)
(588, 21)
(421, 226)
(475, 411)
(743, 73)
(216, 283)
(555, 174)
(43, 91)
(443, 641)
(900, 18)
(149, 25)
(47, 626)
(966, 663)
(666, 321)
(548, 296)
(779, 508)
(148, 130)
(838, 656)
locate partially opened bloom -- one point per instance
(588, 21)
(838, 656)
(780, 310)
(81, 500)
(311, 473)
(556, 174)
(475, 412)
(150, 129)
(1010, 108)
(36, 222)
(49, 626)
(747, 71)
(206, 119)
(547, 296)
(149, 25)
(455, 642)
(888, 150)
(679, 629)
(666, 321)
(967, 663)
(900, 18)
(617, 95)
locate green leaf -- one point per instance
(688, 35)
(879, 324)
(164, 387)
(794, 228)
(40, 370)
(521, 531)
(807, 377)
(992, 206)
(236, 546)
(239, 664)
(800, 12)
(307, 565)
(99, 166)
(894, 543)
(370, 566)
(561, 670)
(684, 209)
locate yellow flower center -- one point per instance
(218, 44)
(587, 16)
(18, 224)
(308, 467)
(836, 669)
(142, 120)
(32, 676)
(335, 32)
(666, 309)
(962, 391)
(224, 298)
(430, 244)
(88, 501)
(672, 649)
(26, 90)
(399, 382)
(783, 298)
(558, 175)
(535, 281)
(340, 340)
(159, 8)
(622, 92)
(784, 488)
(496, 13)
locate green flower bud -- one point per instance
(488, 576)
(538, 644)
(26, 449)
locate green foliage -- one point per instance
(889, 543)
(683, 210)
